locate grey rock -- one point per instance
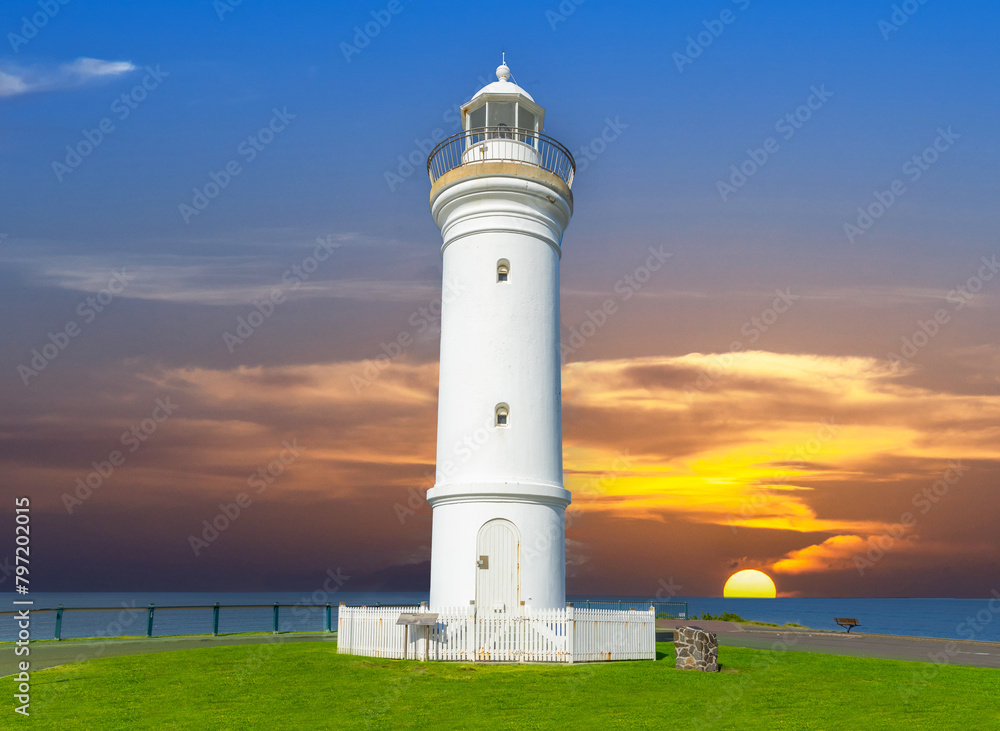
(696, 649)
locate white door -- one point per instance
(498, 575)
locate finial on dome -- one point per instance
(503, 72)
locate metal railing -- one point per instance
(501, 144)
(150, 612)
(675, 610)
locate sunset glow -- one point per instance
(750, 380)
(749, 584)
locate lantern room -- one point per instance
(503, 105)
(503, 112)
(501, 124)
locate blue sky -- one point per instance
(685, 129)
(347, 119)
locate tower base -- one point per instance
(499, 546)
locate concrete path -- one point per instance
(49, 654)
(855, 644)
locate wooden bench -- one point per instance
(847, 622)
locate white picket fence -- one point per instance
(524, 635)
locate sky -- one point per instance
(214, 226)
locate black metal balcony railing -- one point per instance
(501, 144)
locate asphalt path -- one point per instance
(854, 644)
(954, 652)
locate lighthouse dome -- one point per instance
(503, 86)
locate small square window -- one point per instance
(502, 276)
(501, 419)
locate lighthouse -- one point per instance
(501, 195)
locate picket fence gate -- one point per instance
(525, 634)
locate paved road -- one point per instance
(954, 652)
(49, 654)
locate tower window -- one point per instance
(502, 415)
(503, 270)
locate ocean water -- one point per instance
(125, 614)
(967, 619)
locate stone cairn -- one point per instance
(696, 649)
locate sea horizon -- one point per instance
(125, 613)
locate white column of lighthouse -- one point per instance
(499, 345)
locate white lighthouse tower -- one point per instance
(501, 197)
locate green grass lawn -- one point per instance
(307, 685)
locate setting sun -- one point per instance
(749, 583)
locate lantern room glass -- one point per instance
(526, 121)
(501, 115)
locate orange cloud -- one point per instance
(777, 444)
(833, 554)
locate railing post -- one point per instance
(149, 622)
(570, 632)
(470, 632)
(215, 620)
(59, 611)
(276, 618)
(329, 618)
(521, 626)
(424, 630)
(652, 610)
